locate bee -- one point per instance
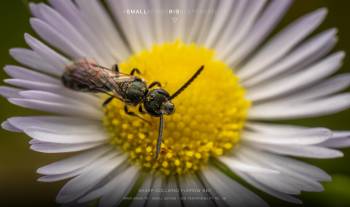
(86, 75)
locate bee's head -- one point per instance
(157, 103)
(136, 91)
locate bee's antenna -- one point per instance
(184, 86)
(160, 135)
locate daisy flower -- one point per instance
(222, 128)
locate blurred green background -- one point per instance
(18, 185)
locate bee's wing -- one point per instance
(118, 76)
(84, 76)
(89, 77)
(121, 78)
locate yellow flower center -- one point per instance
(209, 114)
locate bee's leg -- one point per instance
(135, 70)
(155, 83)
(126, 109)
(107, 101)
(115, 68)
(141, 110)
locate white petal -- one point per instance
(222, 14)
(320, 90)
(56, 124)
(173, 193)
(191, 188)
(54, 88)
(157, 185)
(166, 22)
(49, 55)
(277, 181)
(178, 27)
(142, 23)
(282, 43)
(156, 19)
(143, 192)
(9, 92)
(290, 164)
(299, 80)
(339, 140)
(33, 60)
(113, 191)
(29, 84)
(63, 148)
(34, 9)
(298, 56)
(69, 10)
(186, 21)
(267, 189)
(185, 25)
(301, 175)
(59, 177)
(51, 97)
(199, 21)
(59, 108)
(342, 143)
(284, 129)
(229, 190)
(64, 137)
(340, 134)
(78, 171)
(82, 100)
(263, 26)
(245, 23)
(57, 98)
(232, 26)
(74, 173)
(204, 23)
(291, 179)
(73, 163)
(96, 16)
(314, 108)
(308, 138)
(235, 164)
(58, 22)
(81, 184)
(9, 127)
(119, 9)
(49, 34)
(26, 74)
(35, 141)
(301, 151)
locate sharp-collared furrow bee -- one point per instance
(87, 76)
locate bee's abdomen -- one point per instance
(69, 82)
(84, 80)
